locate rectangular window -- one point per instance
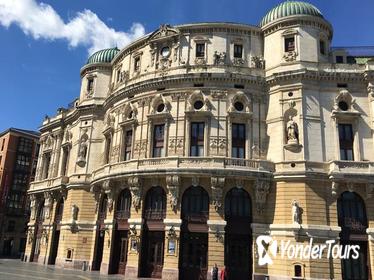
(65, 160)
(20, 182)
(289, 44)
(158, 140)
(339, 59)
(108, 144)
(11, 226)
(2, 145)
(23, 162)
(90, 82)
(322, 47)
(24, 145)
(197, 139)
(118, 75)
(128, 144)
(238, 51)
(46, 163)
(346, 141)
(238, 140)
(351, 60)
(137, 64)
(200, 50)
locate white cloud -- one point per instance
(41, 21)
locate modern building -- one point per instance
(190, 143)
(18, 154)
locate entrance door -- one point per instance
(153, 254)
(99, 250)
(119, 256)
(56, 239)
(193, 256)
(38, 237)
(237, 256)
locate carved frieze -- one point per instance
(219, 142)
(290, 56)
(176, 142)
(219, 58)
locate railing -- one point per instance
(358, 167)
(154, 214)
(122, 215)
(184, 163)
(201, 217)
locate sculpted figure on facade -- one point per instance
(217, 184)
(219, 58)
(135, 188)
(262, 188)
(83, 147)
(292, 132)
(296, 212)
(172, 183)
(74, 212)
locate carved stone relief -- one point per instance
(172, 183)
(262, 188)
(135, 187)
(217, 184)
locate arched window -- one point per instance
(352, 213)
(155, 204)
(103, 207)
(237, 204)
(195, 204)
(123, 205)
(59, 210)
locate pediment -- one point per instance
(164, 32)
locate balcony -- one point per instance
(359, 170)
(201, 217)
(188, 164)
(49, 183)
(122, 214)
(155, 215)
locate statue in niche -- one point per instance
(296, 212)
(292, 132)
(74, 212)
(82, 152)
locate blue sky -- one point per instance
(40, 60)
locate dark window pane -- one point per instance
(197, 139)
(289, 44)
(200, 50)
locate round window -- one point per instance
(343, 105)
(161, 107)
(238, 106)
(165, 51)
(198, 104)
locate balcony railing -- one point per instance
(190, 163)
(122, 215)
(154, 214)
(201, 217)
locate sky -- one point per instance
(43, 45)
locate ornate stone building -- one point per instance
(192, 141)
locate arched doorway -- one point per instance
(238, 238)
(121, 216)
(193, 256)
(153, 233)
(38, 230)
(353, 221)
(56, 231)
(100, 233)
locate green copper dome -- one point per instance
(103, 56)
(290, 8)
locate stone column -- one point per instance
(56, 162)
(135, 223)
(216, 224)
(172, 229)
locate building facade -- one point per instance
(194, 140)
(18, 155)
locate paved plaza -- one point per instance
(14, 269)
